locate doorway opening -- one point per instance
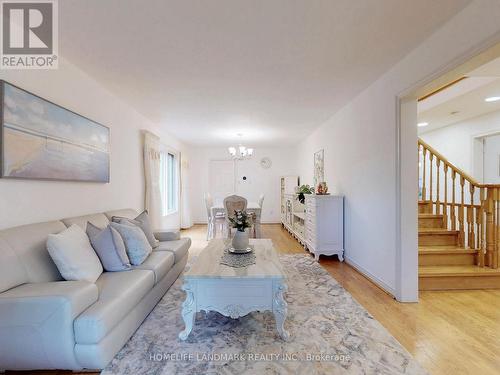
(457, 118)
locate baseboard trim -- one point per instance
(374, 279)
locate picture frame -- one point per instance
(41, 140)
(319, 167)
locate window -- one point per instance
(169, 182)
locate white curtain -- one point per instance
(185, 210)
(153, 198)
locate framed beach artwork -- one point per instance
(319, 167)
(41, 140)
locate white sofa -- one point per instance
(48, 323)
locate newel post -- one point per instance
(424, 177)
(461, 213)
(481, 229)
(496, 205)
(490, 228)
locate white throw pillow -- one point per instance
(73, 255)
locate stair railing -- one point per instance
(470, 207)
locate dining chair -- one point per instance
(261, 200)
(254, 217)
(214, 219)
(231, 204)
(209, 202)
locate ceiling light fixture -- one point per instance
(240, 152)
(492, 99)
(422, 124)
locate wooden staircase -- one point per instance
(459, 239)
(443, 263)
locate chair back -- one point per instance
(209, 202)
(234, 203)
(261, 200)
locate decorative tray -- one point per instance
(232, 250)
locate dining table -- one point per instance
(252, 208)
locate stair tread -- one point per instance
(444, 247)
(437, 231)
(445, 250)
(426, 215)
(463, 270)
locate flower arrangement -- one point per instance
(241, 220)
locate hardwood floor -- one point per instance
(448, 332)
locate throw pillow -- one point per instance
(73, 255)
(110, 248)
(136, 243)
(143, 222)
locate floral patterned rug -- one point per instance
(331, 333)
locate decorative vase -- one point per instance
(324, 187)
(240, 240)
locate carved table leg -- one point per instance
(188, 310)
(280, 308)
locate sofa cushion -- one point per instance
(178, 247)
(12, 272)
(129, 213)
(143, 222)
(109, 247)
(168, 235)
(99, 220)
(119, 293)
(160, 262)
(73, 254)
(29, 242)
(136, 243)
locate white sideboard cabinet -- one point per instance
(324, 225)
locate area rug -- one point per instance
(330, 334)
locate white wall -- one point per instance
(29, 201)
(360, 143)
(259, 180)
(455, 142)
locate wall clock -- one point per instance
(266, 163)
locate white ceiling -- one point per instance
(273, 70)
(463, 100)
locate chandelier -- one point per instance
(240, 152)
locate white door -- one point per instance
(222, 178)
(492, 159)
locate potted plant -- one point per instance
(241, 221)
(304, 189)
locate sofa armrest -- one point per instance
(36, 324)
(77, 295)
(168, 236)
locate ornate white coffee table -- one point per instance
(235, 292)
